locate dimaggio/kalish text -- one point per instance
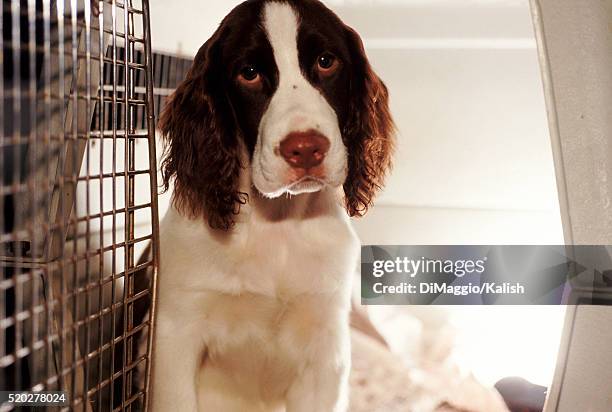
(505, 288)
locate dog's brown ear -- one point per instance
(201, 150)
(368, 133)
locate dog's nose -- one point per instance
(304, 150)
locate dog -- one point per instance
(280, 131)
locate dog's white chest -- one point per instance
(260, 300)
(258, 344)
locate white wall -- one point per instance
(474, 153)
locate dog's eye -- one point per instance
(326, 61)
(249, 73)
(249, 76)
(327, 64)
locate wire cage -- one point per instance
(78, 199)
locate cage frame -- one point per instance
(63, 198)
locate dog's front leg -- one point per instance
(176, 358)
(322, 385)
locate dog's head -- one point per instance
(286, 85)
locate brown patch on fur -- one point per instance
(201, 153)
(368, 134)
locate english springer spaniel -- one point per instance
(280, 130)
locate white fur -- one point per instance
(256, 319)
(295, 106)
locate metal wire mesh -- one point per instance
(78, 200)
(168, 71)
